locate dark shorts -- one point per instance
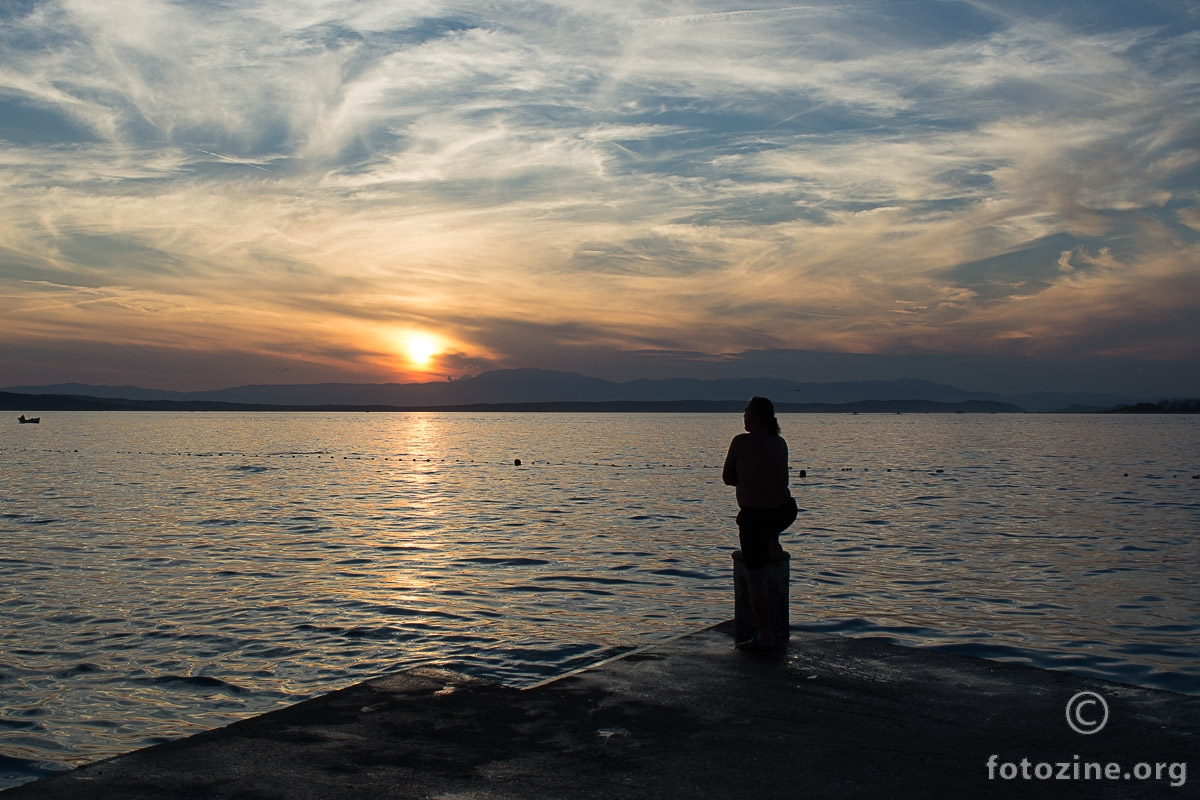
(759, 529)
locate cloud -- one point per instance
(306, 179)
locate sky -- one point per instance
(202, 193)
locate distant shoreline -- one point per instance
(49, 402)
(34, 403)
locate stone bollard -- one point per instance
(744, 625)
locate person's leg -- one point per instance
(776, 548)
(755, 539)
(784, 516)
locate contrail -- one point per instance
(234, 160)
(717, 15)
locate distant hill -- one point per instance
(546, 386)
(1161, 407)
(1065, 402)
(16, 401)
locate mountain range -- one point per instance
(527, 386)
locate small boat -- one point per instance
(28, 420)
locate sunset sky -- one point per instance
(198, 194)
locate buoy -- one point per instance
(516, 462)
(803, 473)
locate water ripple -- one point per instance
(154, 584)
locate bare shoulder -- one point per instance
(741, 443)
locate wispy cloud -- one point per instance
(667, 175)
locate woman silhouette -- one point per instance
(757, 465)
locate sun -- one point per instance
(421, 348)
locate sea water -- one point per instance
(164, 573)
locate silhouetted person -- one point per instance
(757, 464)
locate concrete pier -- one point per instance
(829, 717)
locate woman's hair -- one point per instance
(763, 410)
